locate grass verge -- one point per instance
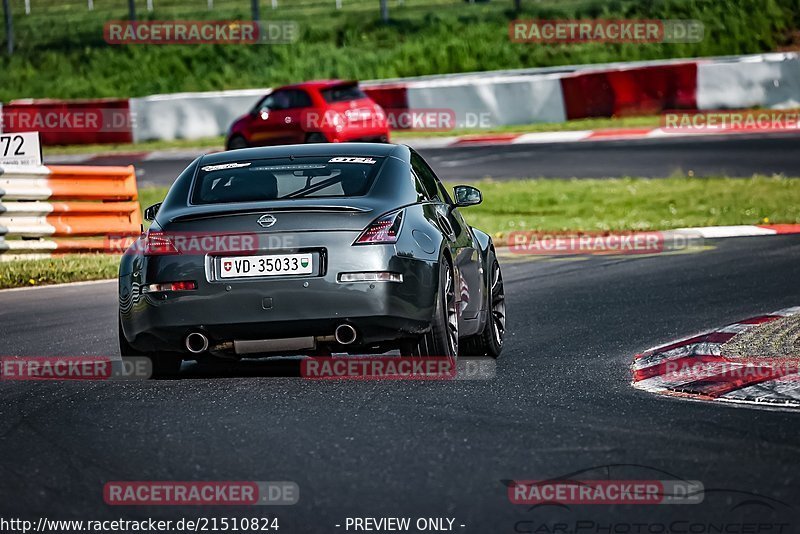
(58, 270)
(638, 204)
(574, 205)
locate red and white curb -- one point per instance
(695, 367)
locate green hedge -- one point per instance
(65, 55)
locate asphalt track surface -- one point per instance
(733, 155)
(561, 403)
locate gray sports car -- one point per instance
(310, 249)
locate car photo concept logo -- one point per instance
(266, 221)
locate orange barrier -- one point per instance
(85, 183)
(94, 202)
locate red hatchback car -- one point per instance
(330, 111)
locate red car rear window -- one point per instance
(342, 93)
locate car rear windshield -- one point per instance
(342, 93)
(284, 178)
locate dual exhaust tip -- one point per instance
(197, 342)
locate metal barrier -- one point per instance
(94, 202)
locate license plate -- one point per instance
(269, 265)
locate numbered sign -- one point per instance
(20, 149)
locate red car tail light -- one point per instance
(384, 229)
(158, 244)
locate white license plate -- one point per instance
(269, 265)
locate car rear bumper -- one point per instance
(378, 134)
(283, 307)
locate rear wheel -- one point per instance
(316, 138)
(490, 341)
(442, 338)
(164, 364)
(237, 142)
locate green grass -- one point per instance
(649, 121)
(61, 52)
(151, 195)
(210, 143)
(58, 270)
(217, 143)
(568, 205)
(599, 205)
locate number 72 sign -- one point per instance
(20, 149)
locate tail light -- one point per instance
(158, 244)
(384, 229)
(187, 285)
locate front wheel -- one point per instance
(490, 341)
(236, 142)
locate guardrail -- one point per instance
(93, 202)
(519, 96)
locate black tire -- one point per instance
(490, 341)
(442, 339)
(164, 364)
(236, 142)
(316, 138)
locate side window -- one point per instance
(277, 101)
(425, 177)
(429, 178)
(421, 191)
(299, 99)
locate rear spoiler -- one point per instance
(232, 211)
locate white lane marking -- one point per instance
(711, 232)
(552, 137)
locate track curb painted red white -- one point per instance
(695, 367)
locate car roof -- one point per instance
(312, 149)
(317, 84)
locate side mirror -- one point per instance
(150, 212)
(466, 195)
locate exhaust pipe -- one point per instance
(345, 334)
(196, 343)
